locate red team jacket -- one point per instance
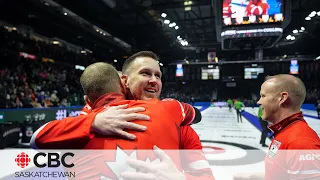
(163, 130)
(294, 152)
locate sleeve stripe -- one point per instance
(194, 113)
(33, 144)
(313, 171)
(198, 165)
(182, 110)
(83, 113)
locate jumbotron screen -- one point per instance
(252, 72)
(294, 67)
(240, 12)
(179, 70)
(212, 73)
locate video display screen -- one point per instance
(210, 73)
(179, 70)
(252, 72)
(294, 67)
(240, 12)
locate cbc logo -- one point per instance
(22, 160)
(53, 160)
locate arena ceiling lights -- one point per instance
(164, 18)
(55, 42)
(167, 21)
(187, 5)
(183, 42)
(296, 33)
(290, 37)
(82, 22)
(312, 15)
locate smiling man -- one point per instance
(142, 76)
(281, 99)
(294, 141)
(281, 96)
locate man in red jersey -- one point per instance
(114, 120)
(294, 151)
(257, 7)
(165, 116)
(146, 71)
(163, 127)
(139, 86)
(139, 67)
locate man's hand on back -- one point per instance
(115, 119)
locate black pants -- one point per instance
(265, 130)
(239, 116)
(318, 110)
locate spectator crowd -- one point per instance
(34, 83)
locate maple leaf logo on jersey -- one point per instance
(120, 164)
(274, 148)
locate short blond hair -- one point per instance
(98, 79)
(292, 85)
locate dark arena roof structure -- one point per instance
(114, 29)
